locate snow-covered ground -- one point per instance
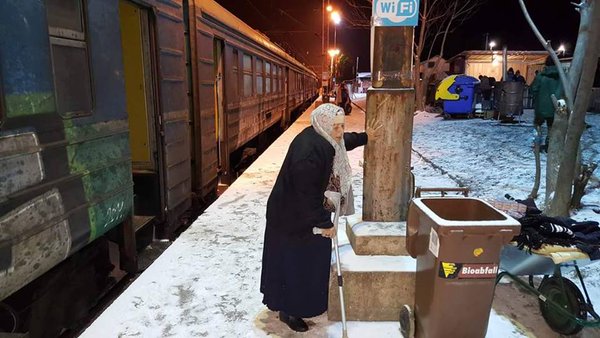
(207, 282)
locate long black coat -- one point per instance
(296, 263)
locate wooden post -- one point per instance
(387, 183)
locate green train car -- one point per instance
(116, 117)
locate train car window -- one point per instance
(281, 79)
(70, 57)
(259, 77)
(247, 64)
(65, 18)
(275, 78)
(267, 77)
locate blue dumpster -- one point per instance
(458, 94)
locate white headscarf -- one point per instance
(322, 119)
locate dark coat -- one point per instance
(296, 263)
(544, 85)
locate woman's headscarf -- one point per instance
(322, 119)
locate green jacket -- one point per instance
(544, 85)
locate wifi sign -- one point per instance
(395, 12)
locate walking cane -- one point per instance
(335, 199)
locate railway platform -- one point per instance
(206, 283)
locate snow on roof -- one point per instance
(485, 56)
(216, 11)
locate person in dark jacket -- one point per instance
(544, 85)
(296, 262)
(510, 75)
(345, 101)
(519, 77)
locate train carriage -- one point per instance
(114, 115)
(259, 90)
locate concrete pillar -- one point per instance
(387, 182)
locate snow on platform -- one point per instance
(361, 228)
(353, 262)
(206, 283)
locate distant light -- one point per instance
(495, 60)
(329, 8)
(492, 44)
(333, 52)
(561, 49)
(336, 18)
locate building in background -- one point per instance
(489, 63)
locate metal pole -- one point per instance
(335, 36)
(323, 29)
(328, 48)
(331, 69)
(487, 45)
(504, 62)
(323, 56)
(504, 66)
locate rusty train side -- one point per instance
(116, 116)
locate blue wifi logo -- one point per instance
(395, 13)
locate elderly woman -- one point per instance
(296, 263)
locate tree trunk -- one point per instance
(538, 167)
(580, 184)
(418, 88)
(447, 29)
(555, 150)
(579, 52)
(559, 206)
(417, 54)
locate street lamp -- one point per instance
(333, 53)
(325, 31)
(336, 18)
(561, 49)
(492, 44)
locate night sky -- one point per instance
(296, 26)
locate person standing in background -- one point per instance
(546, 84)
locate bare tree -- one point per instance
(563, 166)
(360, 13)
(446, 18)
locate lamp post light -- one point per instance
(492, 45)
(336, 18)
(561, 49)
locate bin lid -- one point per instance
(466, 80)
(443, 90)
(463, 212)
(447, 87)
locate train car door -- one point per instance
(220, 115)
(201, 60)
(140, 92)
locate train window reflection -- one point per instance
(70, 57)
(248, 76)
(247, 63)
(259, 77)
(247, 85)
